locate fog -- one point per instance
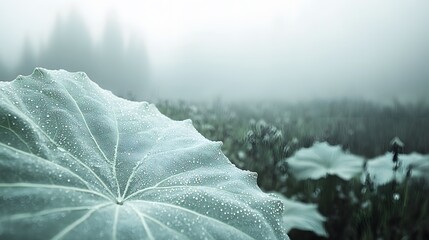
(237, 50)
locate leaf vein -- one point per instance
(31, 122)
(39, 185)
(80, 220)
(49, 162)
(196, 214)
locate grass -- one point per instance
(258, 137)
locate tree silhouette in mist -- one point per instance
(115, 65)
(28, 58)
(4, 72)
(69, 46)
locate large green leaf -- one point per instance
(76, 162)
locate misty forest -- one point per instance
(70, 47)
(228, 120)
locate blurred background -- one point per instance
(234, 50)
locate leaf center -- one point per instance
(119, 200)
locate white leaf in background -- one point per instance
(380, 169)
(418, 165)
(302, 216)
(322, 159)
(77, 162)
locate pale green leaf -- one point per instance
(302, 216)
(322, 159)
(77, 162)
(380, 169)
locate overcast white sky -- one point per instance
(163, 23)
(281, 49)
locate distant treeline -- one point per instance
(111, 62)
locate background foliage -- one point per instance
(259, 137)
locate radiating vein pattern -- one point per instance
(77, 162)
